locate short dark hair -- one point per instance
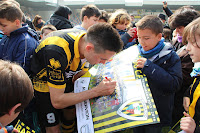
(150, 22)
(183, 18)
(10, 11)
(162, 16)
(167, 33)
(104, 15)
(15, 87)
(89, 11)
(104, 37)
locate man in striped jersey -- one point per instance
(59, 60)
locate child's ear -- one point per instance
(17, 22)
(159, 36)
(12, 110)
(85, 18)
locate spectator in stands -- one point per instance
(46, 30)
(163, 19)
(16, 91)
(132, 20)
(60, 18)
(181, 18)
(104, 16)
(38, 22)
(167, 34)
(89, 15)
(121, 21)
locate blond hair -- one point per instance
(120, 16)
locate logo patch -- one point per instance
(134, 109)
(54, 63)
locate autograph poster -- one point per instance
(129, 106)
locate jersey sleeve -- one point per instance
(56, 63)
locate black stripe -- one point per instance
(113, 117)
(118, 123)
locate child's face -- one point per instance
(7, 26)
(120, 26)
(193, 49)
(148, 39)
(45, 33)
(91, 21)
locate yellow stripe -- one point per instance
(130, 80)
(67, 127)
(196, 96)
(86, 75)
(117, 127)
(104, 116)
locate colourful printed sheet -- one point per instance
(129, 106)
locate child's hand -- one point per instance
(131, 32)
(140, 62)
(186, 103)
(187, 123)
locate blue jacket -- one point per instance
(164, 76)
(19, 46)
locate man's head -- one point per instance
(182, 18)
(89, 15)
(10, 17)
(16, 91)
(149, 31)
(102, 42)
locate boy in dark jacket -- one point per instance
(19, 42)
(162, 67)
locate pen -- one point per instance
(107, 78)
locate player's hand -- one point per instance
(131, 32)
(140, 62)
(186, 103)
(106, 87)
(187, 123)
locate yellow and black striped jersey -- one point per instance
(56, 59)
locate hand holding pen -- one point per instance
(105, 87)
